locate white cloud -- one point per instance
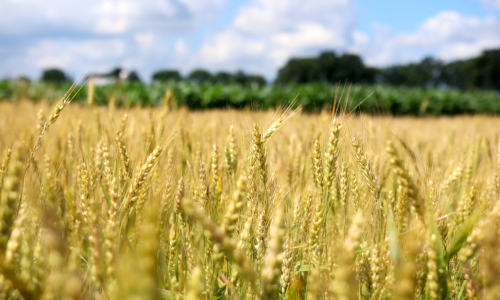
(448, 36)
(145, 40)
(49, 58)
(231, 46)
(360, 38)
(266, 33)
(181, 48)
(492, 3)
(205, 8)
(81, 55)
(89, 55)
(274, 16)
(94, 33)
(70, 18)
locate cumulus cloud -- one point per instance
(60, 18)
(265, 33)
(83, 35)
(229, 46)
(96, 35)
(448, 35)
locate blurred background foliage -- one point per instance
(430, 87)
(373, 99)
(482, 72)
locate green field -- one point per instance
(372, 99)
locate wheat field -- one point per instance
(166, 203)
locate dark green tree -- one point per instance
(350, 68)
(166, 75)
(298, 71)
(427, 73)
(482, 72)
(488, 70)
(115, 73)
(327, 68)
(200, 76)
(256, 79)
(240, 78)
(223, 77)
(458, 74)
(54, 75)
(327, 65)
(133, 77)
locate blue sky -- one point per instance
(257, 36)
(405, 16)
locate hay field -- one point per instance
(161, 203)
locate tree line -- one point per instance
(482, 72)
(197, 76)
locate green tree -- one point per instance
(115, 73)
(459, 74)
(327, 68)
(240, 77)
(200, 76)
(54, 75)
(298, 71)
(133, 77)
(256, 79)
(488, 70)
(223, 77)
(327, 65)
(351, 69)
(166, 75)
(427, 73)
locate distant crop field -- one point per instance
(312, 97)
(103, 202)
